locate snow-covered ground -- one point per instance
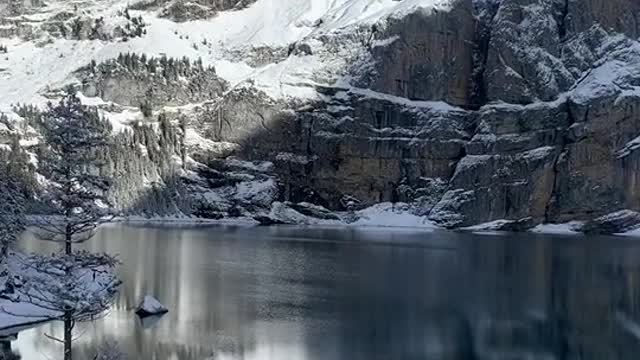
(631, 233)
(571, 228)
(34, 299)
(17, 315)
(391, 215)
(490, 228)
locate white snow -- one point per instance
(391, 215)
(151, 306)
(619, 64)
(385, 42)
(492, 228)
(19, 315)
(397, 215)
(24, 311)
(570, 228)
(629, 148)
(631, 233)
(436, 106)
(489, 228)
(30, 69)
(194, 141)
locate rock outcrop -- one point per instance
(150, 306)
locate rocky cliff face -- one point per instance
(470, 111)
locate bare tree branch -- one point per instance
(53, 338)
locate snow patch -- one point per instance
(629, 147)
(570, 228)
(30, 70)
(391, 215)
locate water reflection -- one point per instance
(306, 294)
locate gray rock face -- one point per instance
(558, 159)
(618, 15)
(524, 65)
(374, 149)
(593, 176)
(429, 56)
(555, 142)
(509, 168)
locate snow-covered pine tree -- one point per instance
(76, 140)
(21, 171)
(11, 214)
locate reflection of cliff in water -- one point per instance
(554, 299)
(278, 293)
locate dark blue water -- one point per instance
(301, 294)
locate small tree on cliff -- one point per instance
(76, 139)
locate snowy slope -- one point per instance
(31, 68)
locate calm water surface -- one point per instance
(288, 293)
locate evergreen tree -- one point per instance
(78, 284)
(76, 139)
(11, 215)
(21, 170)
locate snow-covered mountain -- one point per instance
(51, 40)
(464, 111)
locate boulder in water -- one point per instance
(150, 306)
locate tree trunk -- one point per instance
(4, 260)
(68, 327)
(67, 242)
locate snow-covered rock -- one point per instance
(618, 222)
(150, 306)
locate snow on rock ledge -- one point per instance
(150, 306)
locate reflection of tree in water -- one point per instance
(112, 351)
